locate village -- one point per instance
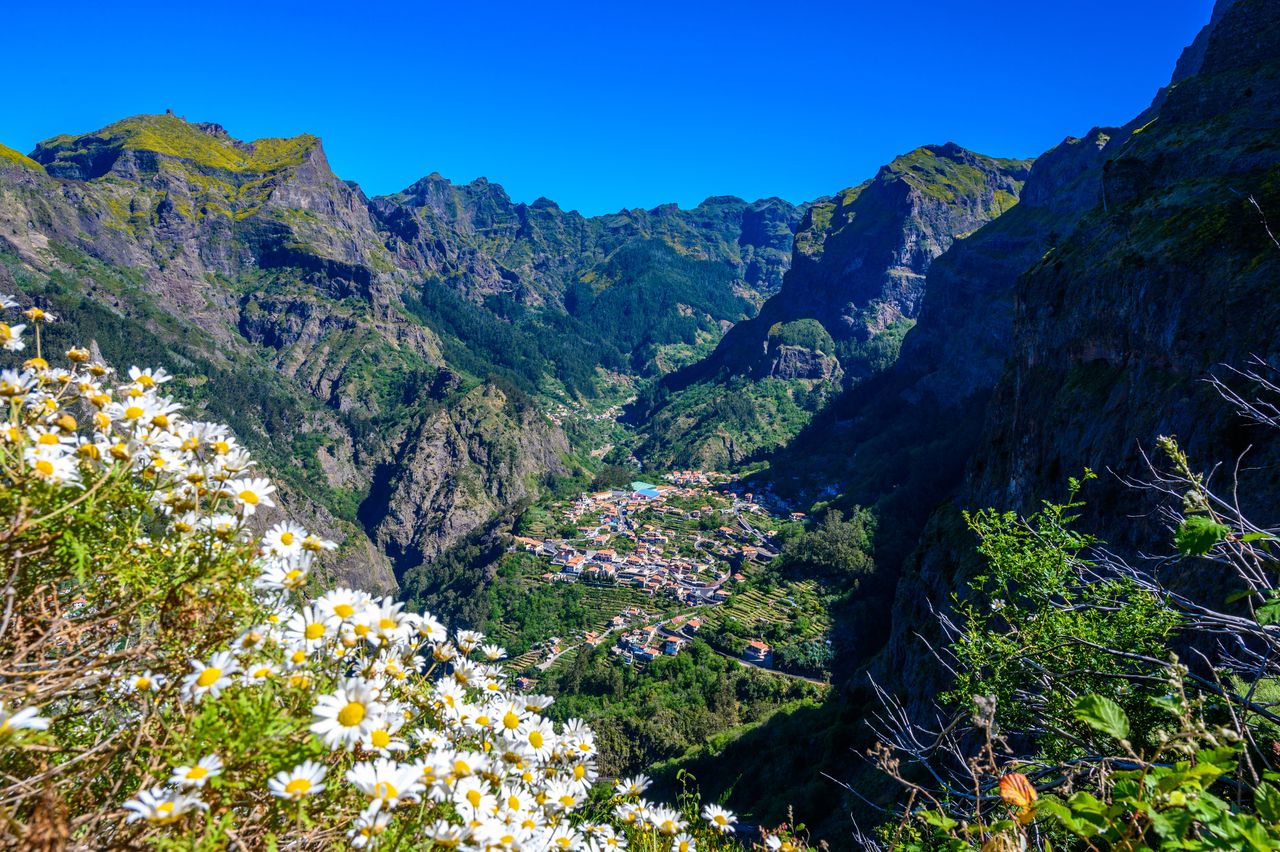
(686, 543)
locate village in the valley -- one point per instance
(684, 544)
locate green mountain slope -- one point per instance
(853, 291)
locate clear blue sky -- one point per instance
(605, 104)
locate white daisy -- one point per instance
(209, 679)
(347, 716)
(198, 775)
(305, 779)
(161, 806)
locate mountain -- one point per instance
(854, 289)
(1068, 333)
(393, 360)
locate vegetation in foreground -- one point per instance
(1099, 704)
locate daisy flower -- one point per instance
(11, 337)
(26, 719)
(278, 574)
(343, 603)
(633, 786)
(538, 736)
(161, 806)
(259, 673)
(473, 797)
(369, 826)
(252, 493)
(683, 843)
(197, 776)
(385, 782)
(308, 627)
(305, 779)
(284, 539)
(446, 834)
(145, 682)
(209, 678)
(347, 716)
(721, 820)
(666, 820)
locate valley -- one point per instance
(714, 477)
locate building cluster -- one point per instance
(630, 536)
(657, 539)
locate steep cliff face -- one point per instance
(1163, 273)
(854, 289)
(462, 465)
(253, 269)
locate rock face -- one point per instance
(1071, 332)
(476, 236)
(464, 464)
(856, 283)
(295, 303)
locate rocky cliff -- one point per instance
(854, 288)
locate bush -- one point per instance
(1073, 723)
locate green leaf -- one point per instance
(1171, 825)
(1197, 535)
(1257, 536)
(938, 819)
(1103, 714)
(1267, 800)
(1269, 613)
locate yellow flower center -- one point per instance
(579, 771)
(384, 790)
(208, 677)
(293, 574)
(297, 787)
(315, 630)
(133, 412)
(510, 721)
(351, 715)
(286, 538)
(164, 807)
(47, 439)
(386, 624)
(143, 683)
(362, 629)
(513, 803)
(473, 796)
(380, 739)
(44, 467)
(298, 656)
(344, 610)
(535, 739)
(195, 773)
(249, 497)
(221, 447)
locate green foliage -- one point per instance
(1033, 622)
(1197, 535)
(807, 333)
(1102, 714)
(837, 550)
(672, 706)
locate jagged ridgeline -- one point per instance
(391, 359)
(854, 289)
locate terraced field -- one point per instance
(781, 604)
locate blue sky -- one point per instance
(606, 104)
